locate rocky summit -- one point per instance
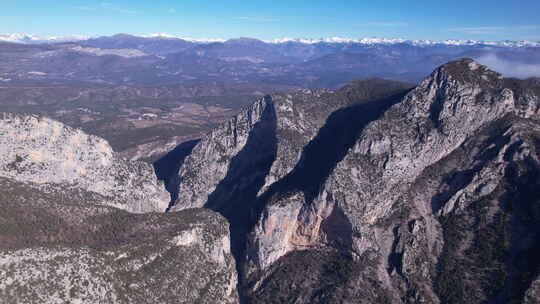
(378, 192)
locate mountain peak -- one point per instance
(466, 70)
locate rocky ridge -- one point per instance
(389, 195)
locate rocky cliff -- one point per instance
(269, 135)
(386, 195)
(46, 152)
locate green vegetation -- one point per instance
(314, 276)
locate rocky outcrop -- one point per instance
(208, 164)
(390, 152)
(270, 133)
(395, 193)
(58, 246)
(371, 206)
(45, 152)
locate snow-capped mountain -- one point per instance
(36, 39)
(163, 59)
(375, 40)
(368, 41)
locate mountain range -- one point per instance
(377, 192)
(159, 60)
(146, 94)
(37, 39)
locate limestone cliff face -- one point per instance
(210, 159)
(270, 134)
(391, 151)
(259, 146)
(46, 152)
(372, 207)
(532, 296)
(393, 194)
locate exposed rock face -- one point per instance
(429, 195)
(54, 250)
(390, 153)
(208, 163)
(46, 152)
(167, 168)
(272, 132)
(373, 206)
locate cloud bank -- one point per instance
(510, 68)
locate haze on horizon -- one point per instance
(437, 20)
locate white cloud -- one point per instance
(126, 11)
(510, 68)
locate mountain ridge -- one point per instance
(30, 38)
(362, 217)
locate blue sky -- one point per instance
(438, 20)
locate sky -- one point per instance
(271, 19)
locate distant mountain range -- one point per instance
(37, 39)
(29, 38)
(165, 60)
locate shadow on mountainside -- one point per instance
(167, 168)
(319, 158)
(235, 197)
(329, 147)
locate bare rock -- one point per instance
(46, 152)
